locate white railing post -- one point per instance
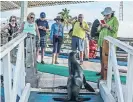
(19, 87)
(17, 72)
(109, 71)
(7, 77)
(117, 76)
(129, 83)
(1, 67)
(22, 68)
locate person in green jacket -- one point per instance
(107, 28)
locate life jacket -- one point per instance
(92, 48)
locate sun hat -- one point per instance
(107, 11)
(58, 18)
(42, 15)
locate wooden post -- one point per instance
(105, 51)
(7, 77)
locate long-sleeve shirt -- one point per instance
(113, 23)
(56, 29)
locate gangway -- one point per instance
(18, 87)
(105, 85)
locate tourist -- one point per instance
(56, 36)
(86, 43)
(12, 27)
(29, 27)
(43, 28)
(108, 27)
(78, 35)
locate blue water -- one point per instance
(48, 97)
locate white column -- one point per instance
(129, 83)
(7, 77)
(117, 76)
(24, 6)
(109, 71)
(17, 72)
(23, 68)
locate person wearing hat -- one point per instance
(56, 36)
(86, 43)
(108, 27)
(80, 27)
(43, 28)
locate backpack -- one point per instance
(71, 30)
(95, 25)
(92, 49)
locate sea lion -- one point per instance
(75, 81)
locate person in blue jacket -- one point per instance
(56, 36)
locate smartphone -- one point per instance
(80, 23)
(102, 21)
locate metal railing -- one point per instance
(11, 88)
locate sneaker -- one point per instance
(86, 59)
(56, 62)
(37, 62)
(98, 74)
(42, 62)
(81, 62)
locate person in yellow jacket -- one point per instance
(108, 28)
(78, 36)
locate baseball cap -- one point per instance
(42, 15)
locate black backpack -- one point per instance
(95, 25)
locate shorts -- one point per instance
(42, 42)
(77, 43)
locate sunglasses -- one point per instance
(106, 15)
(32, 17)
(13, 20)
(80, 17)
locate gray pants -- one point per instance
(30, 51)
(86, 44)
